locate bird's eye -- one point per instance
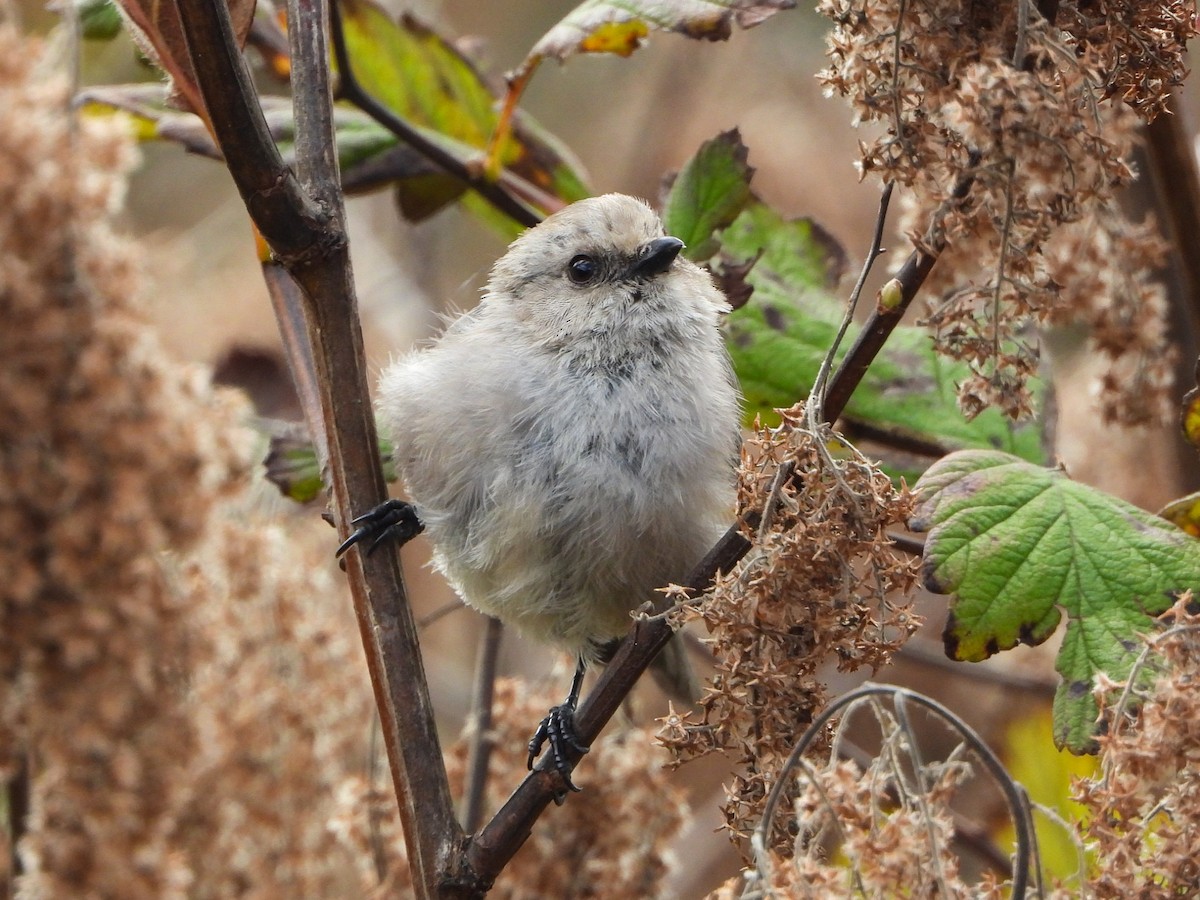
(582, 269)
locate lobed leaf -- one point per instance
(708, 194)
(1018, 545)
(779, 338)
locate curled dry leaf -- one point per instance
(157, 30)
(605, 26)
(602, 26)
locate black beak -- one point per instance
(656, 257)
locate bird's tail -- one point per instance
(671, 670)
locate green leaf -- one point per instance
(291, 465)
(1019, 545)
(779, 338)
(99, 20)
(416, 74)
(427, 81)
(360, 140)
(708, 193)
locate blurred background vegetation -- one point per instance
(629, 121)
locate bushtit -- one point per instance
(570, 444)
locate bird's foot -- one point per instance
(393, 520)
(558, 728)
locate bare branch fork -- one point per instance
(302, 220)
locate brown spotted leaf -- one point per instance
(156, 29)
(1019, 545)
(620, 26)
(605, 26)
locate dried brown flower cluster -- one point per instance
(183, 684)
(822, 584)
(1145, 809)
(611, 840)
(1138, 45)
(1106, 261)
(94, 467)
(895, 834)
(891, 828)
(997, 122)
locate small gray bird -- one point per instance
(570, 444)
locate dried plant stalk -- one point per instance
(1024, 108)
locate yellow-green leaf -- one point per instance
(427, 81)
(1019, 545)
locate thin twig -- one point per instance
(814, 408)
(816, 404)
(294, 329)
(374, 813)
(1014, 795)
(352, 91)
(782, 474)
(929, 654)
(884, 319)
(1022, 42)
(892, 438)
(971, 834)
(921, 794)
(480, 724)
(440, 613)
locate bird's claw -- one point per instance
(558, 728)
(392, 520)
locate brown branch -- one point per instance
(930, 654)
(482, 740)
(307, 235)
(350, 90)
(1177, 189)
(290, 318)
(892, 438)
(491, 849)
